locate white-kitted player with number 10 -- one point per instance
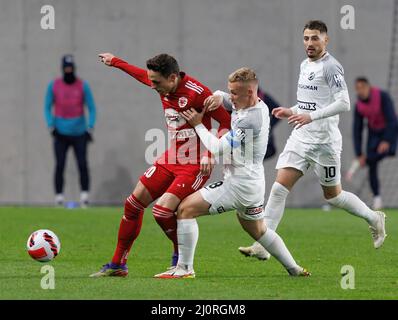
(316, 140)
(243, 186)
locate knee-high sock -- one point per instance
(167, 220)
(274, 244)
(275, 205)
(188, 234)
(352, 204)
(129, 229)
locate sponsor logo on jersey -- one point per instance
(306, 105)
(173, 119)
(182, 134)
(307, 87)
(253, 211)
(311, 76)
(182, 102)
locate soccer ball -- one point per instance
(43, 245)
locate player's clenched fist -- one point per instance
(213, 102)
(106, 58)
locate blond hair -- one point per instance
(243, 75)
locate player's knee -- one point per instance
(132, 208)
(184, 211)
(331, 192)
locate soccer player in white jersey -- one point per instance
(243, 187)
(315, 141)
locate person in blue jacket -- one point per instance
(377, 108)
(64, 110)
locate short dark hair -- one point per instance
(362, 79)
(316, 25)
(164, 64)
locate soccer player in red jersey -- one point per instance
(181, 170)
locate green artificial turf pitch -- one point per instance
(321, 241)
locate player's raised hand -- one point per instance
(282, 113)
(299, 120)
(106, 58)
(193, 117)
(213, 102)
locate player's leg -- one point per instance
(164, 210)
(329, 176)
(60, 150)
(151, 184)
(164, 213)
(212, 199)
(352, 204)
(271, 241)
(80, 148)
(285, 180)
(190, 208)
(291, 168)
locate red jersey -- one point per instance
(185, 145)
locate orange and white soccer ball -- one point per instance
(43, 245)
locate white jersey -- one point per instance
(249, 138)
(243, 149)
(318, 84)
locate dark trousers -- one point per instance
(373, 158)
(61, 146)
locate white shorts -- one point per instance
(324, 159)
(246, 197)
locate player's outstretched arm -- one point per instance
(139, 74)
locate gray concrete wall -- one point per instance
(210, 38)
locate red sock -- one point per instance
(167, 220)
(129, 229)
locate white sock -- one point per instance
(275, 205)
(274, 244)
(187, 235)
(351, 203)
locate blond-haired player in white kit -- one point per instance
(316, 142)
(243, 186)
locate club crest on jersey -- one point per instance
(311, 76)
(182, 102)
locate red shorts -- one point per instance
(180, 180)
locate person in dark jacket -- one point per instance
(272, 104)
(376, 107)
